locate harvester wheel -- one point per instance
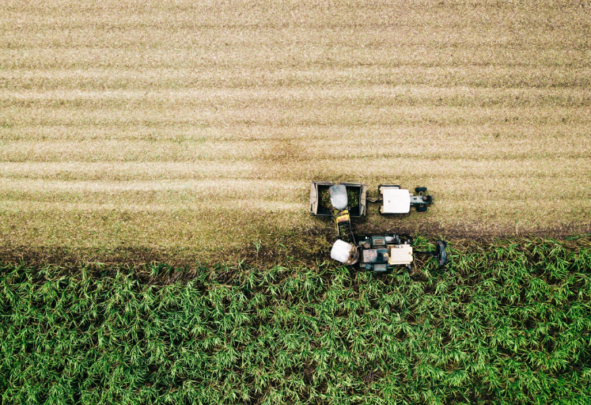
(441, 253)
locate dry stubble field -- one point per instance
(193, 129)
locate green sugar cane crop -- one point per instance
(509, 323)
(325, 198)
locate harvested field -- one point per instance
(197, 126)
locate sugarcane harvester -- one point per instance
(377, 253)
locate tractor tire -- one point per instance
(441, 253)
(420, 190)
(421, 208)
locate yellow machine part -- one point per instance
(343, 216)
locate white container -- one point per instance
(344, 252)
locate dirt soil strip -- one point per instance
(305, 247)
